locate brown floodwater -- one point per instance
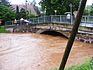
(39, 52)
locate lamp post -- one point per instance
(71, 12)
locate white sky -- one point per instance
(89, 2)
(22, 1)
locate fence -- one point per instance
(60, 19)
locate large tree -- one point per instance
(6, 13)
(61, 6)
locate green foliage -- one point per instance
(31, 16)
(61, 6)
(91, 12)
(17, 13)
(6, 13)
(2, 30)
(84, 66)
(23, 13)
(86, 12)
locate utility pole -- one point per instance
(71, 13)
(73, 34)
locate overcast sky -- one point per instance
(22, 1)
(89, 2)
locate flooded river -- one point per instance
(39, 52)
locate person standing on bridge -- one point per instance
(68, 17)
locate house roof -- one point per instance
(30, 7)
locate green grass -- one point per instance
(2, 29)
(84, 66)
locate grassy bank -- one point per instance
(84, 66)
(2, 30)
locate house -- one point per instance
(32, 9)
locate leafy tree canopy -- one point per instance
(6, 13)
(61, 6)
(91, 12)
(23, 13)
(17, 13)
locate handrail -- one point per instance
(59, 18)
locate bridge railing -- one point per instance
(60, 19)
(88, 19)
(51, 18)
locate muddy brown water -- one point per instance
(39, 52)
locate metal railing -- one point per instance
(51, 18)
(59, 19)
(86, 21)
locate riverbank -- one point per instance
(85, 66)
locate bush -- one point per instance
(2, 30)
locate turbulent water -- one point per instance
(38, 52)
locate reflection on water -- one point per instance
(38, 52)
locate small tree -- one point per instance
(17, 13)
(23, 13)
